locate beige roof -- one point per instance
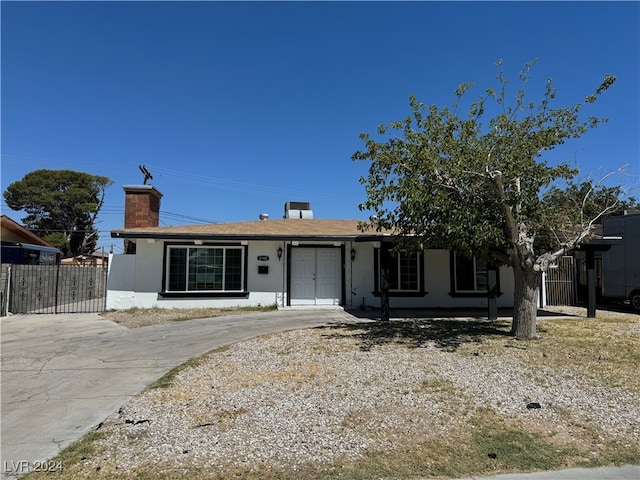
(14, 232)
(276, 229)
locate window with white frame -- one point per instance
(469, 274)
(205, 269)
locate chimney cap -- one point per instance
(142, 189)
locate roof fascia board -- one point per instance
(203, 236)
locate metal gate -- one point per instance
(53, 289)
(560, 283)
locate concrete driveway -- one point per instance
(64, 374)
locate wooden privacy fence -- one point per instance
(53, 289)
(560, 283)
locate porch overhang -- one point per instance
(601, 244)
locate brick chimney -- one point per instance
(141, 206)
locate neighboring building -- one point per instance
(94, 259)
(295, 261)
(621, 264)
(20, 246)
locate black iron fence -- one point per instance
(52, 289)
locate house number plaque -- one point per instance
(263, 258)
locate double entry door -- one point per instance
(316, 276)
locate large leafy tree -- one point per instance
(475, 184)
(62, 206)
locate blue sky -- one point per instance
(238, 107)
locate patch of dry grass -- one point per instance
(144, 317)
(606, 348)
(489, 445)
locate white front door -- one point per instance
(315, 276)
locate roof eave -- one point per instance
(19, 230)
(232, 237)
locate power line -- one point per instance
(186, 217)
(198, 179)
(120, 211)
(189, 178)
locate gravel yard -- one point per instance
(326, 396)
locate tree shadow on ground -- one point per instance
(419, 332)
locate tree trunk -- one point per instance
(525, 303)
(67, 245)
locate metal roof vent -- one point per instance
(264, 216)
(298, 210)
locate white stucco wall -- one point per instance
(272, 282)
(437, 284)
(136, 280)
(121, 282)
(360, 288)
